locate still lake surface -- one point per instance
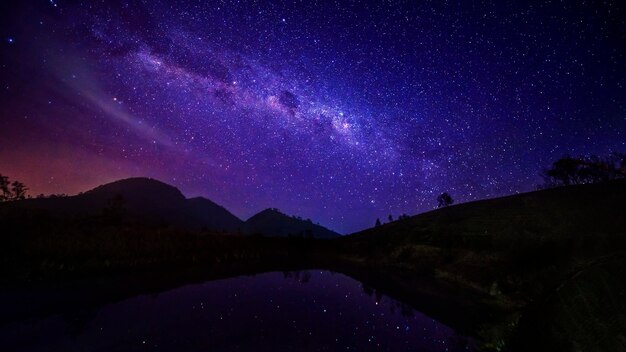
(278, 311)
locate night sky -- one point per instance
(337, 111)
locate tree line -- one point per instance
(582, 170)
(11, 190)
(16, 190)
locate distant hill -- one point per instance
(149, 202)
(221, 218)
(144, 201)
(271, 222)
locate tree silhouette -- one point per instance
(565, 171)
(593, 169)
(444, 200)
(11, 190)
(5, 192)
(390, 218)
(377, 222)
(19, 190)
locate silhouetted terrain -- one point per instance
(553, 258)
(271, 222)
(536, 271)
(147, 202)
(554, 214)
(138, 201)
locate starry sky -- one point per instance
(339, 111)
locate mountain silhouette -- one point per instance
(143, 201)
(148, 202)
(271, 222)
(220, 218)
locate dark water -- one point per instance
(295, 311)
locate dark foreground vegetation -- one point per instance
(538, 271)
(555, 259)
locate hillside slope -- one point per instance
(553, 215)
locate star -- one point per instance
(319, 117)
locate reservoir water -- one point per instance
(278, 311)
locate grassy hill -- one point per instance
(558, 214)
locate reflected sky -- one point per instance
(306, 311)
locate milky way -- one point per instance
(337, 111)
